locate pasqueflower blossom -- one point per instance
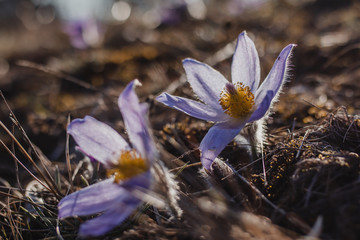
(230, 104)
(128, 167)
(84, 21)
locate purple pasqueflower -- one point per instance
(230, 105)
(84, 33)
(128, 167)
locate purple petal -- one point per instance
(245, 66)
(120, 208)
(135, 121)
(142, 181)
(206, 82)
(272, 84)
(97, 139)
(144, 108)
(102, 196)
(110, 219)
(215, 141)
(192, 108)
(92, 199)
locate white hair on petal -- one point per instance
(169, 186)
(254, 134)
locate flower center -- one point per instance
(236, 100)
(128, 165)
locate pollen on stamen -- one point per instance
(128, 165)
(236, 100)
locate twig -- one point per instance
(280, 210)
(315, 105)
(28, 64)
(302, 142)
(253, 162)
(186, 165)
(289, 217)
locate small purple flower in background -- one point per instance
(128, 167)
(230, 105)
(84, 33)
(84, 21)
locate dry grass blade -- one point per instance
(49, 180)
(27, 201)
(67, 155)
(10, 223)
(17, 160)
(16, 163)
(293, 219)
(263, 163)
(54, 189)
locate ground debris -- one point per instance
(311, 158)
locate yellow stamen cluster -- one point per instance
(128, 165)
(236, 100)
